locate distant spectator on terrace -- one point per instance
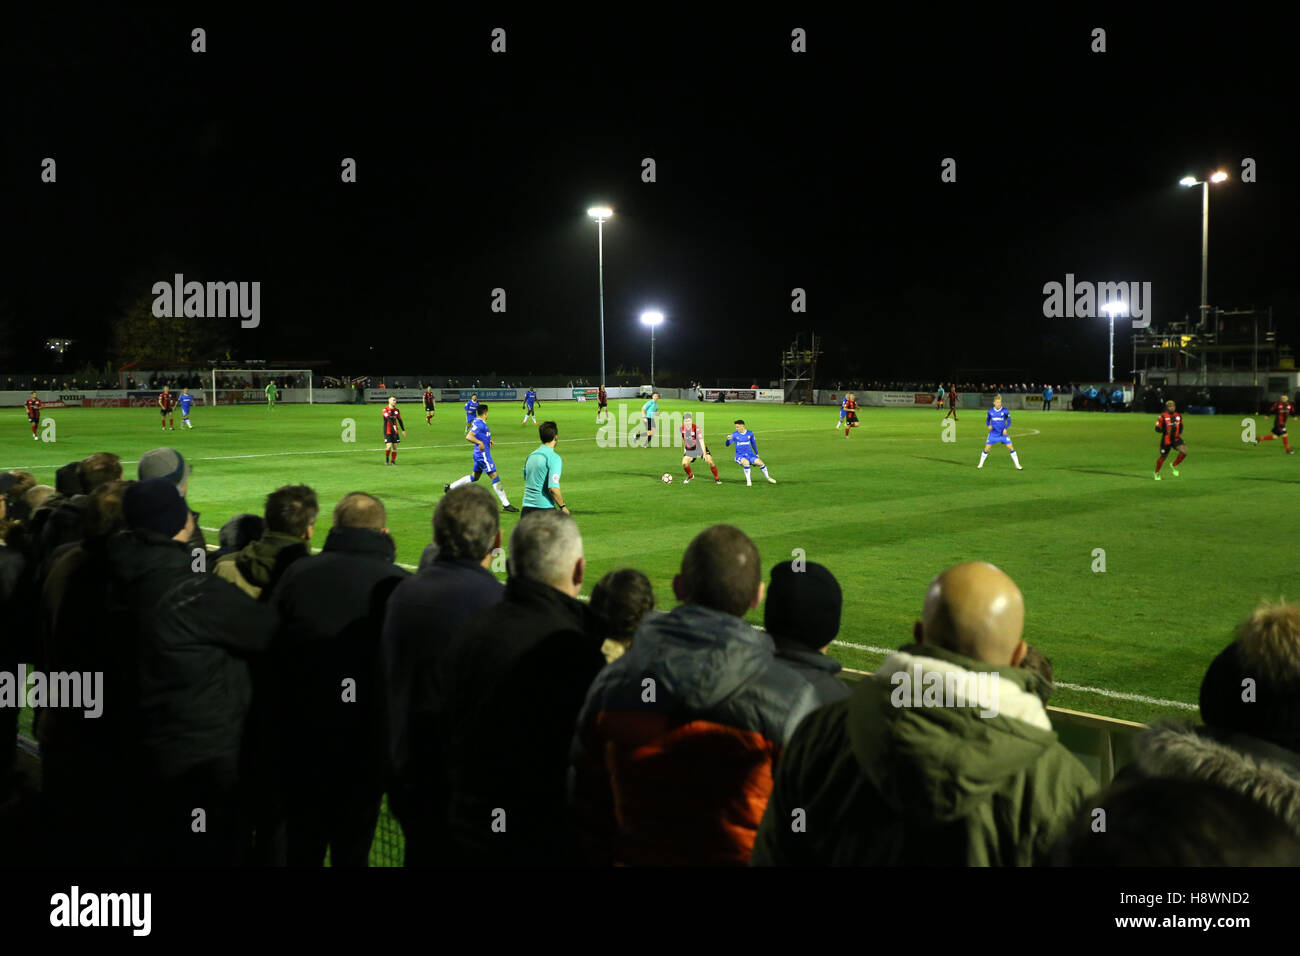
(675, 746)
(1250, 702)
(893, 780)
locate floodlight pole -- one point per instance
(652, 359)
(1112, 347)
(600, 255)
(1205, 253)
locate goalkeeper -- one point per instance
(271, 392)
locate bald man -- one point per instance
(945, 755)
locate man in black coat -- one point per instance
(423, 614)
(325, 661)
(519, 676)
(184, 639)
(802, 615)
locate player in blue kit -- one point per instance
(844, 411)
(186, 401)
(481, 437)
(998, 421)
(742, 439)
(530, 400)
(471, 410)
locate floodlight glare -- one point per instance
(1187, 181)
(1218, 177)
(652, 318)
(600, 213)
(1115, 308)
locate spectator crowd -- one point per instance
(260, 698)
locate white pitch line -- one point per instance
(1100, 691)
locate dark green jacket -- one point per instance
(260, 563)
(867, 781)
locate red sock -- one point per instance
(1267, 438)
(394, 454)
(33, 429)
(1160, 463)
(715, 471)
(1286, 444)
(1179, 460)
(688, 471)
(387, 452)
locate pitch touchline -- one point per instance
(1102, 691)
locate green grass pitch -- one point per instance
(1186, 558)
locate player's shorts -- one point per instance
(528, 407)
(483, 462)
(165, 411)
(428, 406)
(843, 413)
(699, 451)
(852, 418)
(33, 416)
(392, 439)
(998, 440)
(604, 403)
(185, 412)
(745, 461)
(649, 424)
(1279, 430)
(1168, 446)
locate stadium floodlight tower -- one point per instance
(652, 319)
(600, 214)
(1217, 177)
(1113, 309)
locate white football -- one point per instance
(667, 479)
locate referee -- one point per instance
(542, 474)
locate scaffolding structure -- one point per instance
(799, 368)
(1234, 344)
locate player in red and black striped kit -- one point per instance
(850, 414)
(392, 422)
(952, 403)
(1280, 411)
(166, 402)
(1170, 427)
(34, 414)
(428, 405)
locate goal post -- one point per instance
(247, 386)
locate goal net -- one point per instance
(247, 386)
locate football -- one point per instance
(667, 479)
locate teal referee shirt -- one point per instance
(541, 471)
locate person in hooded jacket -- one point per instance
(676, 743)
(899, 774)
(1250, 743)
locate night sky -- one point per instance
(774, 170)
